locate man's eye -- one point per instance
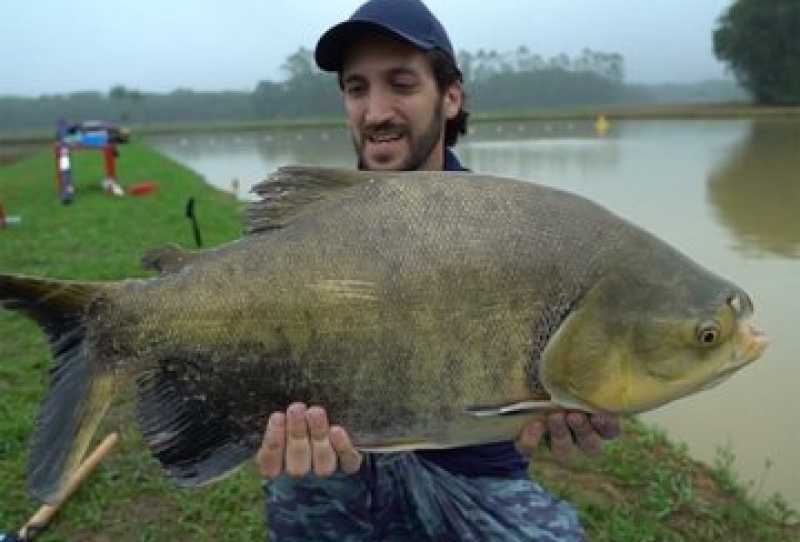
(404, 85)
(355, 90)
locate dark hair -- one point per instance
(446, 73)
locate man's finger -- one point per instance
(606, 425)
(561, 442)
(349, 458)
(322, 453)
(585, 435)
(529, 438)
(270, 456)
(298, 446)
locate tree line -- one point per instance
(760, 42)
(504, 81)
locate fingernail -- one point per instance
(576, 421)
(535, 429)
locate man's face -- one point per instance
(396, 113)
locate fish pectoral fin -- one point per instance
(169, 258)
(523, 407)
(401, 445)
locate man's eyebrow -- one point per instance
(353, 78)
(391, 72)
(404, 70)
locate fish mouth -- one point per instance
(750, 342)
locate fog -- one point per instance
(51, 46)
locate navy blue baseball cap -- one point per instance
(407, 20)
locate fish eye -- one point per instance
(708, 334)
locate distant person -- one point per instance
(403, 95)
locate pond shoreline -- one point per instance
(612, 112)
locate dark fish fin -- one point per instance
(291, 191)
(170, 258)
(70, 414)
(78, 396)
(196, 444)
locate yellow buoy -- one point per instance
(601, 125)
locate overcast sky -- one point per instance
(49, 46)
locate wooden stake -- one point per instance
(43, 516)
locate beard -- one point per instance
(420, 147)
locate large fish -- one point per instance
(423, 310)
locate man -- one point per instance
(404, 101)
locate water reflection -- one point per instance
(755, 193)
(518, 149)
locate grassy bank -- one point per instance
(618, 112)
(642, 488)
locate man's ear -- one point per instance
(453, 100)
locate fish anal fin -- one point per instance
(195, 443)
(169, 258)
(291, 191)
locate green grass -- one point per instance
(643, 487)
(102, 237)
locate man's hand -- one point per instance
(301, 441)
(569, 431)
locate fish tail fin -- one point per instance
(79, 393)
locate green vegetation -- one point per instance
(518, 80)
(759, 40)
(642, 488)
(102, 237)
(646, 488)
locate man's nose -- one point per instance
(379, 108)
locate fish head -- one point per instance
(633, 344)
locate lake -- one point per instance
(726, 193)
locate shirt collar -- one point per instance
(451, 162)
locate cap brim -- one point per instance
(333, 45)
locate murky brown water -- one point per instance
(727, 193)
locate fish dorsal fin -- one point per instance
(169, 258)
(291, 191)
